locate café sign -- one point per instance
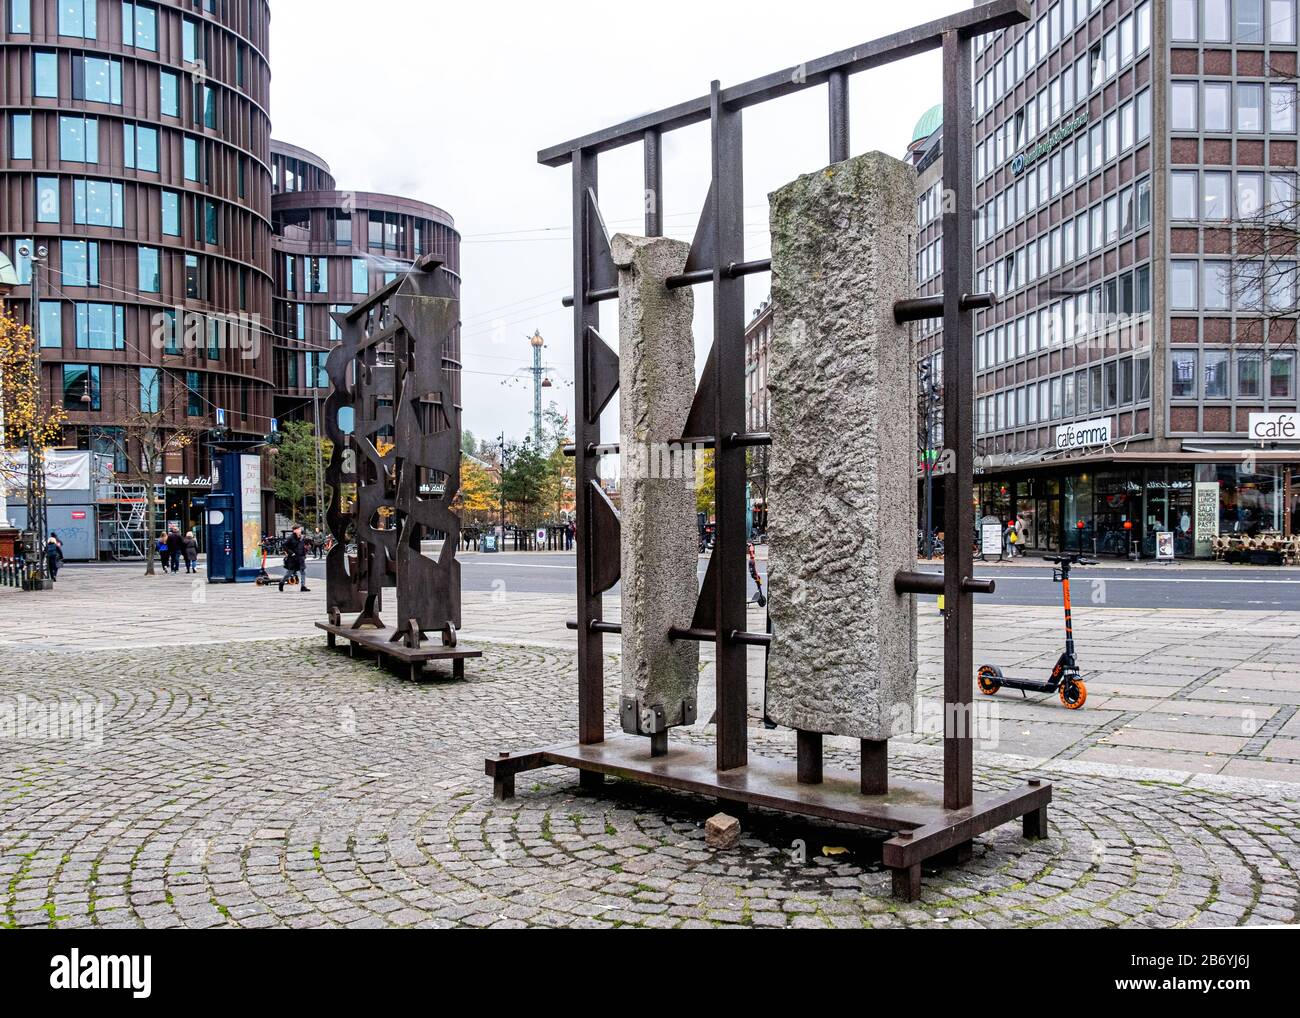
(1083, 434)
(1275, 427)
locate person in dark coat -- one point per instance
(53, 556)
(295, 560)
(191, 552)
(175, 549)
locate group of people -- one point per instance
(173, 547)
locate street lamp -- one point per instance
(8, 280)
(37, 522)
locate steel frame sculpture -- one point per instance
(397, 369)
(929, 821)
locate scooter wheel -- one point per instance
(988, 679)
(1073, 694)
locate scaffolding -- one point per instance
(122, 532)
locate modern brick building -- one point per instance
(1129, 157)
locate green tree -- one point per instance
(294, 470)
(468, 443)
(524, 482)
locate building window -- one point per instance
(193, 277)
(140, 147)
(97, 203)
(1182, 106)
(317, 275)
(1250, 21)
(47, 199)
(51, 324)
(1250, 107)
(20, 17)
(1281, 375)
(1183, 374)
(77, 18)
(81, 387)
(1250, 383)
(205, 105)
(1218, 106)
(316, 376)
(140, 26)
(171, 213)
(80, 262)
(300, 321)
(190, 41)
(169, 93)
(191, 158)
(45, 75)
(336, 331)
(193, 394)
(1216, 286)
(1217, 26)
(342, 228)
(1183, 286)
(20, 136)
(360, 276)
(1281, 21)
(78, 139)
(150, 274)
(96, 79)
(1281, 109)
(101, 327)
(150, 390)
(1216, 374)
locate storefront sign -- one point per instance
(1275, 427)
(65, 470)
(1165, 546)
(1058, 135)
(1207, 516)
(186, 481)
(1083, 434)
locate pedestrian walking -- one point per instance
(161, 547)
(53, 556)
(191, 552)
(295, 560)
(569, 533)
(1010, 538)
(175, 546)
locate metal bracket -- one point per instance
(638, 720)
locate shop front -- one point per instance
(1113, 508)
(184, 498)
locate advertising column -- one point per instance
(250, 492)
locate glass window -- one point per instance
(20, 137)
(205, 97)
(96, 79)
(150, 390)
(1280, 286)
(1281, 375)
(1250, 21)
(1250, 381)
(1282, 196)
(317, 275)
(1182, 110)
(51, 324)
(1143, 378)
(20, 17)
(97, 203)
(1142, 290)
(80, 262)
(1216, 196)
(193, 278)
(1281, 21)
(1183, 286)
(190, 41)
(211, 223)
(1250, 107)
(1126, 381)
(1183, 374)
(1216, 374)
(360, 276)
(169, 89)
(1218, 106)
(171, 213)
(47, 199)
(101, 327)
(150, 276)
(1143, 203)
(1250, 194)
(1216, 289)
(1182, 20)
(140, 26)
(1182, 195)
(193, 394)
(1218, 21)
(45, 71)
(1281, 109)
(77, 18)
(81, 387)
(191, 158)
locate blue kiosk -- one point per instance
(234, 518)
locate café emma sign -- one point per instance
(1058, 134)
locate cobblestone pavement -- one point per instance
(280, 784)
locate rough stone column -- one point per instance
(656, 378)
(842, 492)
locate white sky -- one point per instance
(450, 103)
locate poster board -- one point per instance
(991, 539)
(1164, 546)
(250, 493)
(1206, 516)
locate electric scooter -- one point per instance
(759, 597)
(1064, 678)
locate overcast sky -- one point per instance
(450, 103)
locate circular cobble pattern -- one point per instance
(283, 784)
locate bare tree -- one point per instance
(148, 428)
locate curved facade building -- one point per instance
(332, 248)
(137, 152)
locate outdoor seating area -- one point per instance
(1269, 548)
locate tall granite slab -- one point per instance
(659, 552)
(842, 494)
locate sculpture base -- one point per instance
(410, 661)
(923, 827)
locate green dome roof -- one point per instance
(928, 124)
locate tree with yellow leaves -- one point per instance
(24, 416)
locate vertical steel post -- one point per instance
(586, 317)
(958, 371)
(654, 184)
(729, 419)
(838, 96)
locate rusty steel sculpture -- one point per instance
(395, 471)
(927, 820)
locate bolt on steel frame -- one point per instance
(930, 822)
